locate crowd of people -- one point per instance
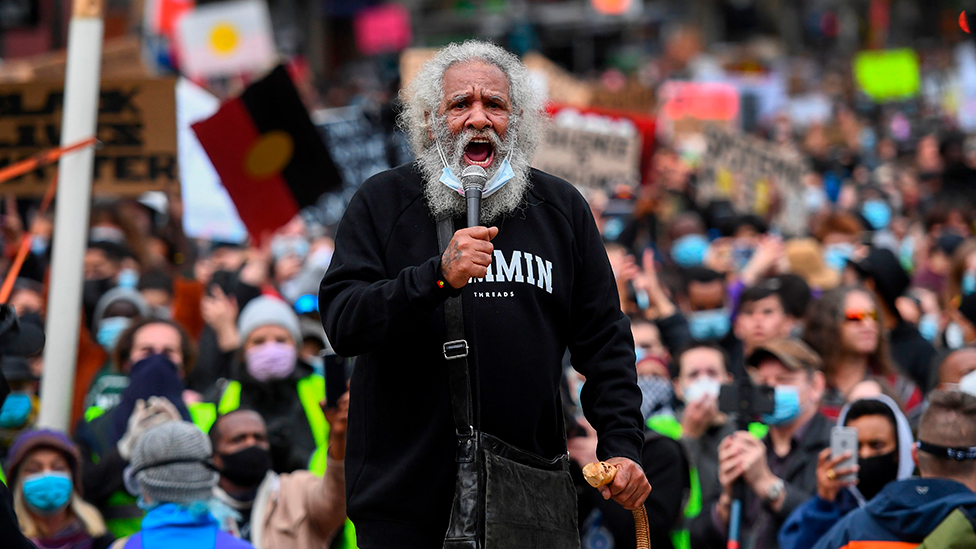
(200, 415)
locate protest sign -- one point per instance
(591, 150)
(887, 75)
(562, 86)
(755, 176)
(136, 127)
(207, 208)
(383, 29)
(357, 147)
(226, 39)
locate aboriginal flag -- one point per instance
(268, 154)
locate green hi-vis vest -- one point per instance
(311, 391)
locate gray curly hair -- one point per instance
(420, 120)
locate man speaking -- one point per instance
(534, 280)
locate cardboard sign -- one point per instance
(136, 126)
(562, 86)
(590, 150)
(383, 29)
(756, 177)
(887, 75)
(357, 147)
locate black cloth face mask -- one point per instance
(876, 472)
(247, 467)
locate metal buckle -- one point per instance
(455, 349)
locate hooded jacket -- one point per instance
(814, 518)
(903, 514)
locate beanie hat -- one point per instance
(119, 294)
(28, 441)
(269, 311)
(171, 464)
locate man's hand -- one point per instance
(468, 255)
(829, 484)
(220, 311)
(742, 455)
(629, 487)
(338, 419)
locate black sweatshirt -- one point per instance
(549, 287)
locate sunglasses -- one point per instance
(854, 315)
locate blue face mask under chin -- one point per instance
(709, 325)
(16, 409)
(787, 406)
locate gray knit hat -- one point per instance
(119, 294)
(265, 311)
(171, 464)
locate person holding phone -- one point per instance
(884, 444)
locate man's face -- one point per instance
(153, 339)
(238, 431)
(772, 372)
(956, 365)
(875, 435)
(476, 108)
(647, 339)
(98, 265)
(762, 320)
(703, 296)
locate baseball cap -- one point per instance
(794, 354)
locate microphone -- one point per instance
(473, 178)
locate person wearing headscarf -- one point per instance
(884, 455)
(44, 476)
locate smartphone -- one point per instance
(844, 439)
(335, 380)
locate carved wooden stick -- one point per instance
(602, 473)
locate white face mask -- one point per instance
(968, 383)
(497, 181)
(701, 388)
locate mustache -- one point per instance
(456, 145)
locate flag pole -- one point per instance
(79, 119)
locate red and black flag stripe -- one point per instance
(269, 156)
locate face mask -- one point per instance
(48, 493)
(954, 336)
(875, 472)
(709, 325)
(640, 352)
(109, 331)
(877, 213)
(497, 181)
(657, 393)
(612, 228)
(928, 326)
(272, 360)
(836, 255)
(16, 409)
(787, 406)
(289, 245)
(689, 250)
(702, 388)
(127, 278)
(247, 467)
(39, 245)
(968, 383)
(968, 283)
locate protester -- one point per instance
(114, 313)
(20, 409)
(885, 445)
(762, 315)
(295, 509)
(45, 471)
(779, 470)
(172, 473)
(268, 377)
(472, 104)
(938, 508)
(956, 367)
(847, 327)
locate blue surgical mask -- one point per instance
(787, 406)
(127, 278)
(497, 181)
(709, 325)
(968, 283)
(877, 213)
(928, 326)
(109, 331)
(836, 255)
(689, 250)
(49, 492)
(16, 409)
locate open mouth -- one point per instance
(479, 152)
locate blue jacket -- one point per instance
(904, 511)
(173, 526)
(810, 521)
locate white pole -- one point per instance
(80, 115)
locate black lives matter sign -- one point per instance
(136, 128)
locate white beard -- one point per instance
(443, 200)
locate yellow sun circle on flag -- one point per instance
(223, 38)
(269, 154)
